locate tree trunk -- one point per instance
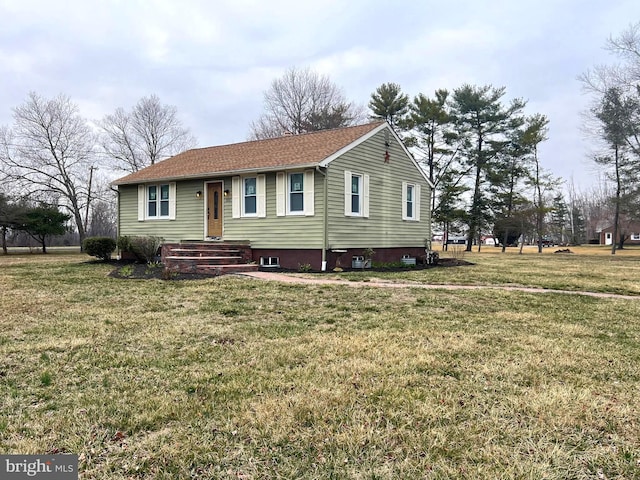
(616, 215)
(521, 235)
(86, 213)
(475, 209)
(4, 240)
(77, 217)
(539, 220)
(43, 243)
(505, 239)
(538, 202)
(445, 237)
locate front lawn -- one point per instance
(588, 268)
(238, 378)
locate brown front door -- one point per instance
(214, 209)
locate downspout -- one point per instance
(325, 226)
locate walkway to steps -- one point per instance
(306, 280)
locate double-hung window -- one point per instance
(296, 193)
(356, 194)
(410, 213)
(157, 202)
(410, 201)
(250, 196)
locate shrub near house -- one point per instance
(100, 247)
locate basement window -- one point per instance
(269, 261)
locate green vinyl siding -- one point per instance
(189, 221)
(273, 231)
(384, 227)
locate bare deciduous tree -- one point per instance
(625, 75)
(303, 101)
(614, 119)
(149, 133)
(103, 218)
(594, 205)
(48, 153)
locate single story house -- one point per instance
(315, 199)
(631, 231)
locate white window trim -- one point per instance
(289, 192)
(359, 213)
(269, 261)
(143, 212)
(416, 201)
(283, 194)
(237, 197)
(243, 197)
(364, 194)
(634, 236)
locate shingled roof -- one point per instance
(289, 151)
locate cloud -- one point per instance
(213, 60)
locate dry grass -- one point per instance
(591, 268)
(234, 378)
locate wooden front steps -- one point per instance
(208, 258)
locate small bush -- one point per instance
(126, 271)
(457, 251)
(100, 247)
(151, 266)
(143, 247)
(124, 243)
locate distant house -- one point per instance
(314, 199)
(631, 230)
(489, 240)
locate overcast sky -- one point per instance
(214, 59)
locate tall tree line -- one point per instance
(480, 152)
